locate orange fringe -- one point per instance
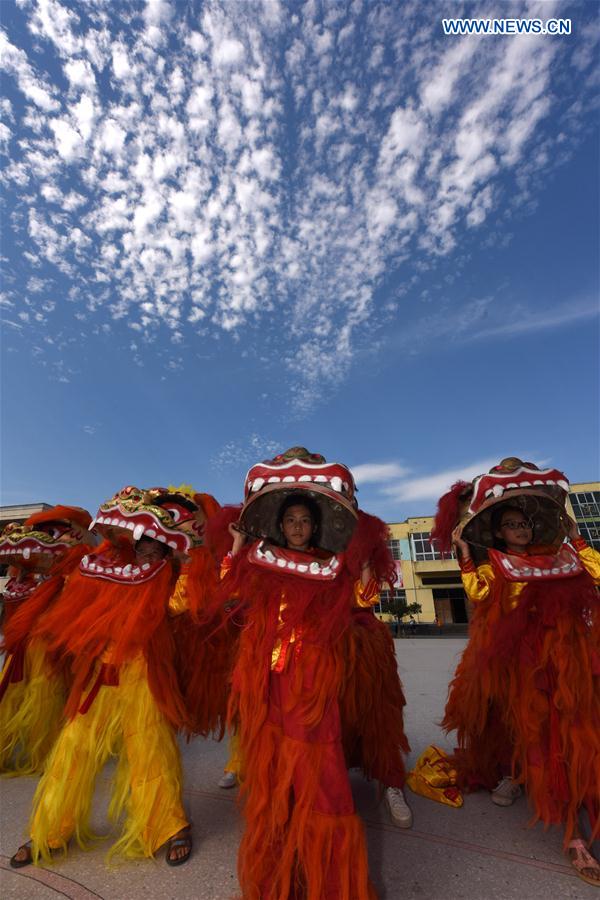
(93, 616)
(299, 842)
(529, 681)
(372, 701)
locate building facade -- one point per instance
(432, 579)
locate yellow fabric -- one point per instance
(178, 601)
(123, 720)
(591, 560)
(234, 763)
(359, 593)
(435, 778)
(478, 585)
(30, 715)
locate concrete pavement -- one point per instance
(479, 852)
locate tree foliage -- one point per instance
(398, 607)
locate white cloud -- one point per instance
(375, 472)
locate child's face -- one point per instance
(515, 530)
(297, 527)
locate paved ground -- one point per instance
(479, 852)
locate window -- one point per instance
(394, 546)
(397, 594)
(586, 505)
(423, 549)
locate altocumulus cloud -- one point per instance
(199, 169)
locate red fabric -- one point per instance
(70, 513)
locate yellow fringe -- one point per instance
(123, 721)
(30, 715)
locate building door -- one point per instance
(450, 605)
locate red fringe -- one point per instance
(18, 629)
(372, 701)
(447, 516)
(93, 615)
(527, 690)
(339, 690)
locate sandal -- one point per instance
(582, 860)
(27, 861)
(183, 839)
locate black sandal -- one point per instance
(183, 838)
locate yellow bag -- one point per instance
(434, 777)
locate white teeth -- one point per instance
(127, 569)
(335, 563)
(92, 523)
(274, 479)
(546, 571)
(497, 490)
(161, 538)
(85, 561)
(326, 571)
(336, 484)
(556, 571)
(315, 568)
(288, 478)
(512, 484)
(135, 571)
(281, 563)
(526, 571)
(145, 567)
(92, 567)
(563, 484)
(122, 523)
(538, 481)
(270, 556)
(550, 481)
(258, 484)
(305, 478)
(489, 493)
(131, 526)
(108, 570)
(526, 484)
(151, 532)
(537, 572)
(26, 553)
(259, 553)
(116, 522)
(346, 486)
(291, 565)
(173, 545)
(302, 567)
(321, 478)
(118, 570)
(138, 531)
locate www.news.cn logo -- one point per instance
(506, 26)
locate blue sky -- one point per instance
(229, 228)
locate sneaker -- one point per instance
(228, 780)
(399, 810)
(506, 792)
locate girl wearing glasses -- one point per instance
(525, 699)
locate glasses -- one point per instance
(517, 526)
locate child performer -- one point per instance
(116, 621)
(316, 685)
(525, 700)
(41, 553)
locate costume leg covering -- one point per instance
(30, 714)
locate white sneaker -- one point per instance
(506, 792)
(399, 810)
(228, 780)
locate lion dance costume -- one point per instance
(117, 620)
(41, 553)
(526, 695)
(315, 687)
